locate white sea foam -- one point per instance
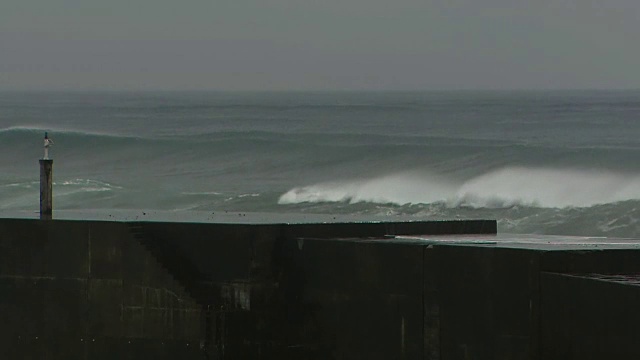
(75, 186)
(24, 185)
(398, 189)
(200, 193)
(553, 188)
(547, 188)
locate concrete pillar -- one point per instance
(46, 187)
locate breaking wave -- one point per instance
(506, 187)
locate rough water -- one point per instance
(538, 162)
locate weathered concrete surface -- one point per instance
(115, 290)
(488, 302)
(292, 290)
(77, 290)
(531, 297)
(589, 317)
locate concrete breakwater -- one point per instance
(380, 290)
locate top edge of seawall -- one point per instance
(218, 217)
(256, 219)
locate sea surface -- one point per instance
(564, 162)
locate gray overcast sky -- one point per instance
(319, 45)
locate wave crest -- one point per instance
(394, 189)
(57, 131)
(506, 187)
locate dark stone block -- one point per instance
(588, 318)
(487, 297)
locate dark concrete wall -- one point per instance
(243, 291)
(586, 318)
(486, 300)
(355, 299)
(501, 303)
(107, 290)
(278, 291)
(75, 290)
(597, 261)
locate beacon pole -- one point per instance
(46, 181)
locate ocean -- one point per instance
(543, 162)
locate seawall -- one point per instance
(381, 290)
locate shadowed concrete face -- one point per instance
(185, 290)
(314, 291)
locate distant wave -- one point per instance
(56, 131)
(506, 187)
(207, 140)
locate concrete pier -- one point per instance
(46, 188)
(441, 290)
